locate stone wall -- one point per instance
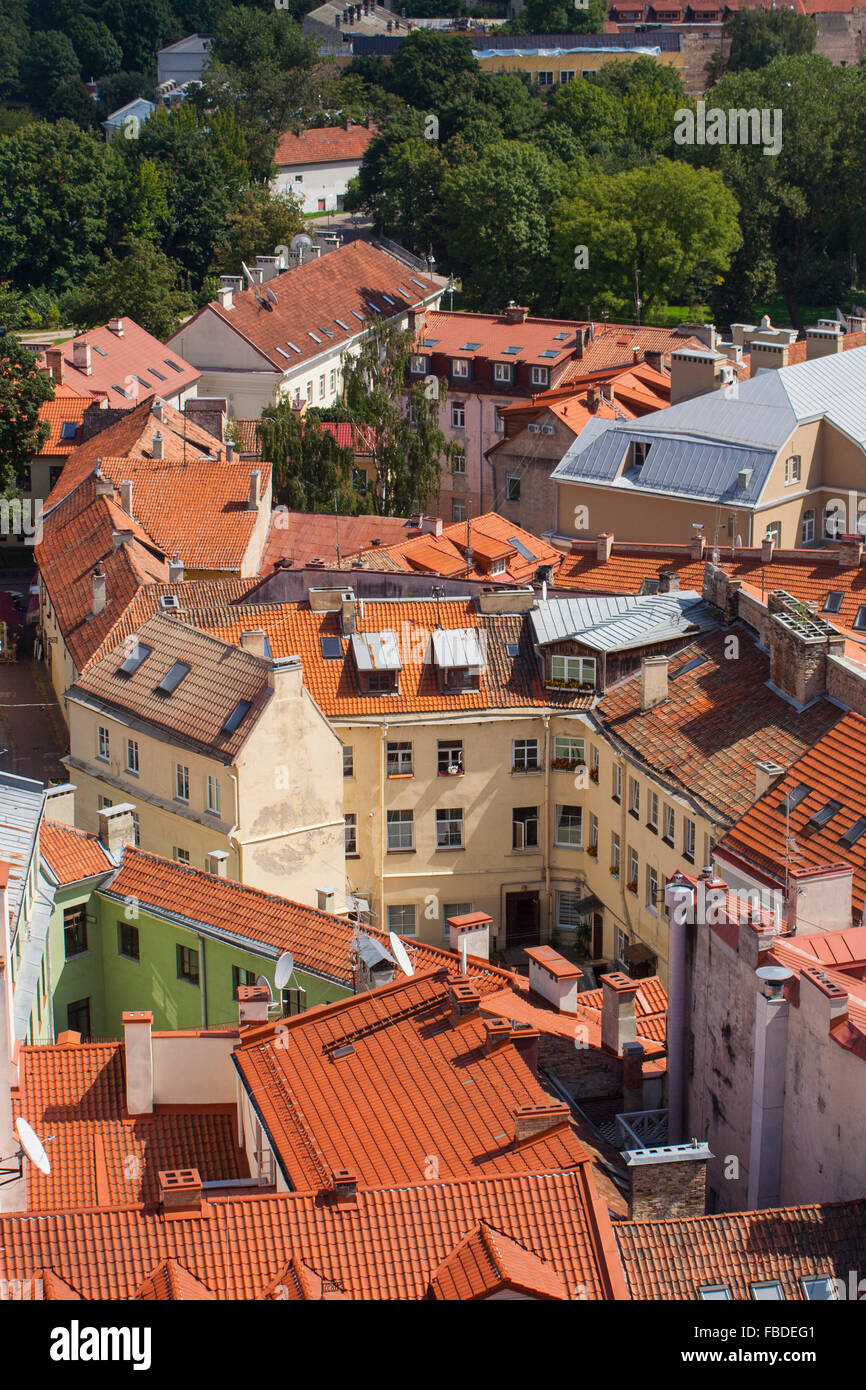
(587, 1072)
(667, 1191)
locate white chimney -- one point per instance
(175, 570)
(618, 1024)
(81, 356)
(116, 326)
(157, 444)
(769, 1054)
(157, 410)
(254, 641)
(325, 899)
(653, 681)
(104, 486)
(117, 827)
(255, 480)
(470, 934)
(99, 597)
(554, 978)
(119, 538)
(138, 1050)
(766, 774)
(218, 861)
(225, 295)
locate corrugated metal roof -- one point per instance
(21, 801)
(458, 646)
(376, 651)
(619, 622)
(679, 467)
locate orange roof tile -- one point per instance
(494, 333)
(63, 411)
(116, 363)
(191, 595)
(486, 1262)
(625, 573)
(299, 537)
(72, 854)
(323, 145)
(171, 1282)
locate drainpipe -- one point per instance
(202, 970)
(234, 830)
(676, 1020)
(548, 819)
(382, 836)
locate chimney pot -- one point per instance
(157, 444)
(81, 356)
(126, 496)
(603, 546)
(99, 595)
(175, 570)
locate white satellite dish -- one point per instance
(33, 1146)
(285, 970)
(401, 954)
(301, 242)
(265, 984)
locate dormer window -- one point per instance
(639, 451)
(540, 376)
(503, 373)
(458, 655)
(377, 661)
(418, 364)
(460, 367)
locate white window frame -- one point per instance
(399, 759)
(670, 835)
(458, 509)
(633, 875)
(793, 469)
(545, 79)
(567, 916)
(350, 832)
(418, 364)
(348, 760)
(575, 827)
(653, 811)
(539, 376)
(615, 855)
(573, 668)
(459, 464)
(634, 796)
(212, 794)
(808, 526)
(458, 415)
(406, 924)
(322, 387)
(652, 888)
(448, 817)
(132, 757)
(688, 839)
(103, 743)
(396, 844)
(524, 755)
(460, 369)
(569, 748)
(181, 780)
(616, 783)
(503, 373)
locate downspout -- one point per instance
(203, 979)
(548, 848)
(233, 832)
(382, 836)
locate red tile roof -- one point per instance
(494, 333)
(835, 769)
(171, 1282)
(525, 1004)
(627, 568)
(312, 297)
(100, 1157)
(490, 536)
(122, 360)
(416, 1083)
(359, 1248)
(191, 594)
(323, 145)
(67, 408)
(72, 854)
(614, 345)
(486, 1263)
(300, 537)
(673, 1259)
(359, 438)
(320, 941)
(720, 719)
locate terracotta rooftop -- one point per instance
(486, 1263)
(72, 854)
(492, 539)
(300, 537)
(323, 145)
(615, 345)
(191, 595)
(320, 941)
(195, 710)
(64, 415)
(312, 298)
(834, 770)
(416, 1082)
(674, 1259)
(124, 365)
(170, 1282)
(452, 335)
(99, 1156)
(359, 1248)
(358, 438)
(719, 720)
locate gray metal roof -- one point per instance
(676, 466)
(376, 651)
(458, 646)
(21, 801)
(30, 966)
(619, 622)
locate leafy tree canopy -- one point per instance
(140, 282)
(23, 388)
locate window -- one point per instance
(774, 532)
(458, 416)
(639, 451)
(633, 870)
(136, 827)
(459, 463)
(498, 422)
(833, 601)
(524, 828)
(187, 964)
(567, 76)
(173, 677)
(577, 669)
(332, 380)
(545, 79)
(350, 820)
(458, 510)
(593, 764)
(127, 941)
(241, 977)
(449, 757)
(652, 889)
(567, 910)
(689, 840)
(212, 800)
(401, 831)
(593, 832)
(670, 825)
(714, 1293)
(132, 756)
(614, 855)
(309, 392)
(616, 783)
(539, 375)
(569, 827)
(452, 910)
(860, 618)
(299, 178)
(524, 755)
(620, 943)
(181, 782)
(418, 364)
(75, 931)
(360, 481)
(568, 750)
(633, 797)
(460, 367)
(381, 683)
(503, 372)
(322, 387)
(653, 812)
(69, 429)
(854, 833)
(792, 469)
(808, 530)
(449, 828)
(819, 1289)
(181, 855)
(834, 522)
(767, 1291)
(398, 759)
(102, 802)
(78, 1017)
(102, 744)
(512, 487)
(348, 760)
(401, 919)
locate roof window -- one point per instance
(172, 679)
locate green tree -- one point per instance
(140, 283)
(426, 64)
(98, 51)
(400, 185)
(559, 17)
(50, 58)
(141, 27)
(311, 472)
(119, 88)
(258, 223)
(13, 48)
(676, 227)
(70, 100)
(57, 188)
(409, 448)
(756, 37)
(23, 388)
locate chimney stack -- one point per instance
(230, 451)
(117, 827)
(180, 1191)
(99, 598)
(530, 1120)
(218, 861)
(669, 582)
(850, 554)
(347, 614)
(516, 313)
(81, 356)
(668, 1182)
(603, 546)
(255, 480)
(819, 898)
(463, 997)
(654, 359)
(138, 1058)
(126, 496)
(104, 486)
(618, 1024)
(497, 1032)
(54, 363)
(253, 640)
(325, 899)
(225, 296)
(698, 546)
(119, 538)
(116, 326)
(653, 682)
(471, 933)
(157, 444)
(824, 342)
(253, 1002)
(767, 774)
(175, 570)
(768, 545)
(553, 977)
(345, 1184)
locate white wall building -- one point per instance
(316, 165)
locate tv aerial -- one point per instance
(401, 955)
(32, 1147)
(284, 970)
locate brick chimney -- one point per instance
(116, 827)
(800, 643)
(530, 1120)
(253, 1001)
(516, 313)
(104, 486)
(669, 582)
(526, 1039)
(668, 1182)
(138, 1061)
(81, 356)
(99, 594)
(345, 1182)
(497, 1032)
(698, 546)
(850, 553)
(618, 1025)
(464, 998)
(54, 363)
(632, 1076)
(654, 359)
(180, 1191)
(653, 681)
(116, 326)
(603, 546)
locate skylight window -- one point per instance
(132, 662)
(328, 332)
(825, 814)
(283, 353)
(359, 317)
(714, 1293)
(689, 666)
(428, 342)
(767, 1291)
(549, 352)
(793, 799)
(833, 601)
(174, 366)
(388, 300)
(560, 337)
(315, 337)
(100, 350)
(241, 709)
(69, 429)
(860, 618)
(332, 648)
(172, 679)
(141, 381)
(521, 548)
(649, 586)
(373, 307)
(400, 290)
(853, 834)
(344, 326)
(121, 392)
(159, 375)
(294, 347)
(820, 1289)
(419, 283)
(512, 648)
(510, 351)
(469, 347)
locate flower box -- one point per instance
(592, 850)
(632, 887)
(614, 870)
(567, 764)
(593, 774)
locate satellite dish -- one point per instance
(285, 969)
(249, 275)
(32, 1146)
(401, 954)
(301, 244)
(269, 294)
(265, 984)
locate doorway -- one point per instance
(521, 919)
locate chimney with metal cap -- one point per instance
(667, 1183)
(138, 1061)
(325, 899)
(157, 444)
(254, 497)
(99, 594)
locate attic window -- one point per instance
(510, 351)
(160, 376)
(833, 601)
(283, 353)
(639, 451)
(512, 648)
(174, 366)
(119, 389)
(294, 347)
(549, 352)
(819, 1289)
(344, 326)
(766, 1291)
(373, 307)
(855, 832)
(100, 350)
(428, 342)
(713, 1293)
(560, 337)
(332, 648)
(172, 679)
(328, 332)
(860, 618)
(649, 586)
(469, 347)
(420, 283)
(69, 429)
(793, 799)
(138, 654)
(400, 290)
(315, 337)
(521, 548)
(689, 666)
(241, 709)
(359, 317)
(389, 300)
(825, 814)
